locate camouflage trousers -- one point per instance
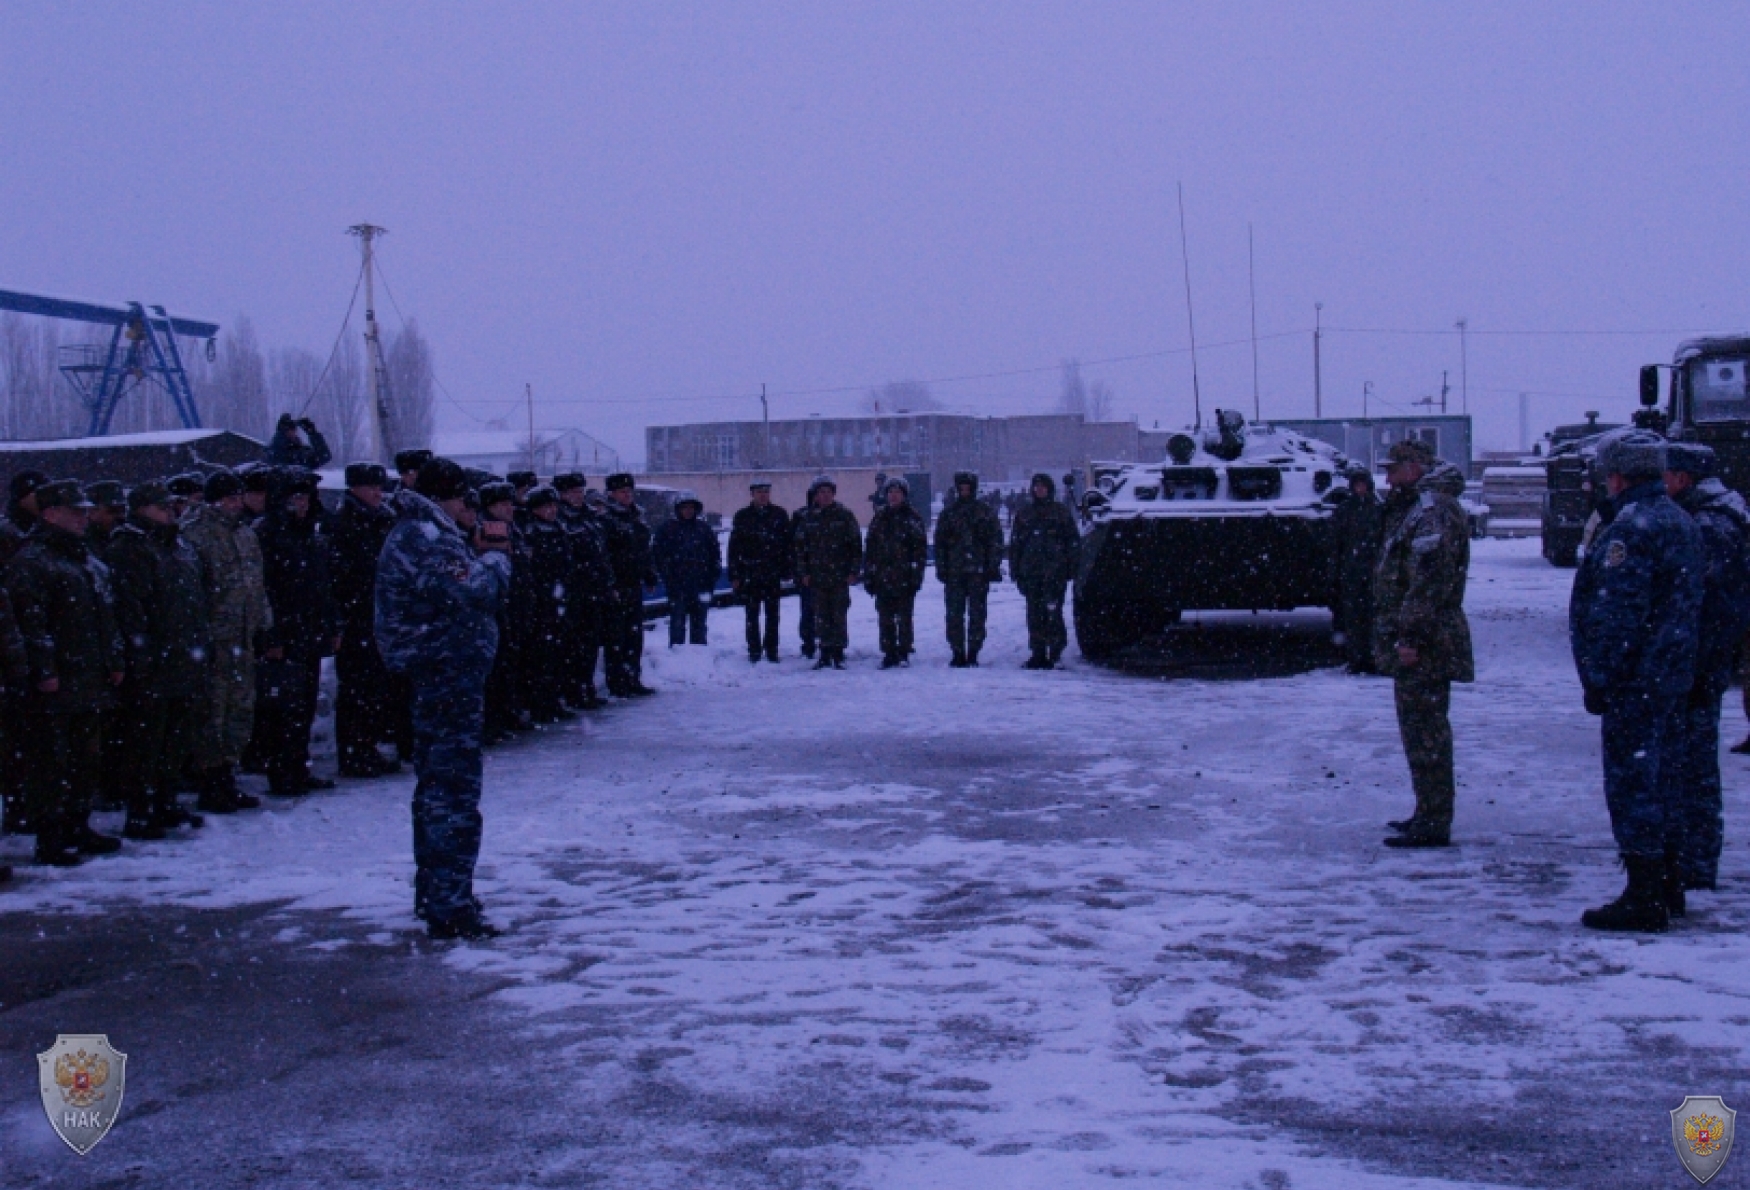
(1046, 631)
(449, 711)
(1642, 735)
(230, 706)
(894, 611)
(968, 603)
(1425, 725)
(1693, 774)
(832, 607)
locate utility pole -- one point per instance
(379, 372)
(1318, 375)
(1463, 366)
(1366, 391)
(1444, 389)
(1524, 421)
(1252, 281)
(529, 400)
(766, 418)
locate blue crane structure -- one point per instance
(142, 346)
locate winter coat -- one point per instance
(355, 543)
(14, 660)
(627, 538)
(551, 570)
(437, 600)
(237, 605)
(759, 547)
(160, 609)
(15, 527)
(294, 557)
(591, 587)
(1637, 598)
(829, 546)
(1724, 522)
(969, 542)
(686, 555)
(1418, 585)
(896, 553)
(61, 597)
(1045, 547)
(519, 613)
(1358, 529)
(284, 450)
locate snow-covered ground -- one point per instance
(1037, 930)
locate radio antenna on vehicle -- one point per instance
(1190, 318)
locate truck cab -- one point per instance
(1707, 400)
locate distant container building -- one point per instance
(999, 449)
(1366, 440)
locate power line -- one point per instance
(434, 376)
(333, 351)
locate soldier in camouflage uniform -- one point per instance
(440, 584)
(829, 558)
(1421, 638)
(969, 558)
(1044, 551)
(237, 610)
(60, 595)
(1632, 622)
(14, 679)
(894, 560)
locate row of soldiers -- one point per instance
(823, 549)
(163, 639)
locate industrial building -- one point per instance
(999, 449)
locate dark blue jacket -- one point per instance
(686, 555)
(1724, 522)
(437, 600)
(1637, 598)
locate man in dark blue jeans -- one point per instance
(440, 583)
(687, 558)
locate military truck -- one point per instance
(1706, 400)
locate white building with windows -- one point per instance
(555, 451)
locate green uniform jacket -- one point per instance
(236, 587)
(969, 542)
(161, 609)
(897, 552)
(1418, 587)
(829, 546)
(1044, 547)
(61, 598)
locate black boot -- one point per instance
(825, 661)
(89, 842)
(1036, 661)
(838, 658)
(142, 827)
(772, 655)
(1676, 904)
(1641, 907)
(972, 659)
(959, 661)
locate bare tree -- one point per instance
(412, 388)
(1076, 396)
(233, 391)
(900, 396)
(35, 400)
(1101, 399)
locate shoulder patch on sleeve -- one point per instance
(1615, 554)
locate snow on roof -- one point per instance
(153, 438)
(491, 442)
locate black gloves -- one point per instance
(1595, 702)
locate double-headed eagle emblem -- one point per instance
(1701, 1130)
(81, 1077)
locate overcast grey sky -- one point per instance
(627, 205)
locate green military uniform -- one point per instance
(894, 559)
(829, 555)
(237, 609)
(1418, 593)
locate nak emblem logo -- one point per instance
(82, 1078)
(1701, 1128)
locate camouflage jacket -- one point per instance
(437, 600)
(1418, 585)
(231, 569)
(61, 597)
(969, 542)
(895, 556)
(829, 546)
(1045, 547)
